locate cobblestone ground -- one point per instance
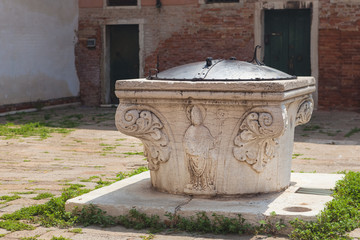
(95, 149)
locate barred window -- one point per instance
(221, 1)
(122, 3)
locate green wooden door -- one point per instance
(287, 41)
(124, 55)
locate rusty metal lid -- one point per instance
(222, 70)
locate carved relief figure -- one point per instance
(141, 123)
(304, 112)
(199, 146)
(256, 138)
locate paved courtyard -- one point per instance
(94, 149)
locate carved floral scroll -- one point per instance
(304, 111)
(140, 122)
(257, 136)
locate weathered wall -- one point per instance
(207, 31)
(179, 32)
(339, 54)
(37, 50)
(188, 30)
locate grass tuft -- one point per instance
(76, 230)
(310, 127)
(60, 238)
(122, 175)
(30, 238)
(134, 153)
(51, 213)
(43, 196)
(10, 130)
(5, 199)
(14, 225)
(352, 132)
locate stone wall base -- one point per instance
(8, 109)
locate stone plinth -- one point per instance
(215, 138)
(136, 192)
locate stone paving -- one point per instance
(330, 143)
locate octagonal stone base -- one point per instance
(215, 138)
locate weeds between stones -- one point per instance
(24, 193)
(12, 225)
(6, 198)
(150, 237)
(43, 123)
(43, 196)
(53, 213)
(340, 216)
(60, 238)
(76, 230)
(30, 238)
(10, 130)
(295, 155)
(134, 153)
(352, 131)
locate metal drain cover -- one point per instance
(297, 209)
(315, 191)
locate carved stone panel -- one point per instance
(141, 122)
(304, 111)
(257, 137)
(200, 153)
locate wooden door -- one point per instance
(124, 55)
(287, 41)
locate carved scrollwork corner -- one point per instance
(257, 136)
(304, 112)
(141, 122)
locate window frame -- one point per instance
(106, 5)
(221, 1)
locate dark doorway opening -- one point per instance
(287, 40)
(124, 55)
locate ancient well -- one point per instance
(216, 128)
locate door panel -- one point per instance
(124, 54)
(287, 41)
(301, 53)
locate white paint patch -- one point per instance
(37, 50)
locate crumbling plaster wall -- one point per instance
(37, 50)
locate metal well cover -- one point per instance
(222, 70)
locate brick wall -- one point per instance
(208, 32)
(188, 31)
(88, 62)
(339, 55)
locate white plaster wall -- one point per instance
(37, 58)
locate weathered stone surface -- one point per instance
(215, 138)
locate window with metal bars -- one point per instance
(221, 1)
(122, 2)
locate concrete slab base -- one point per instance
(136, 192)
